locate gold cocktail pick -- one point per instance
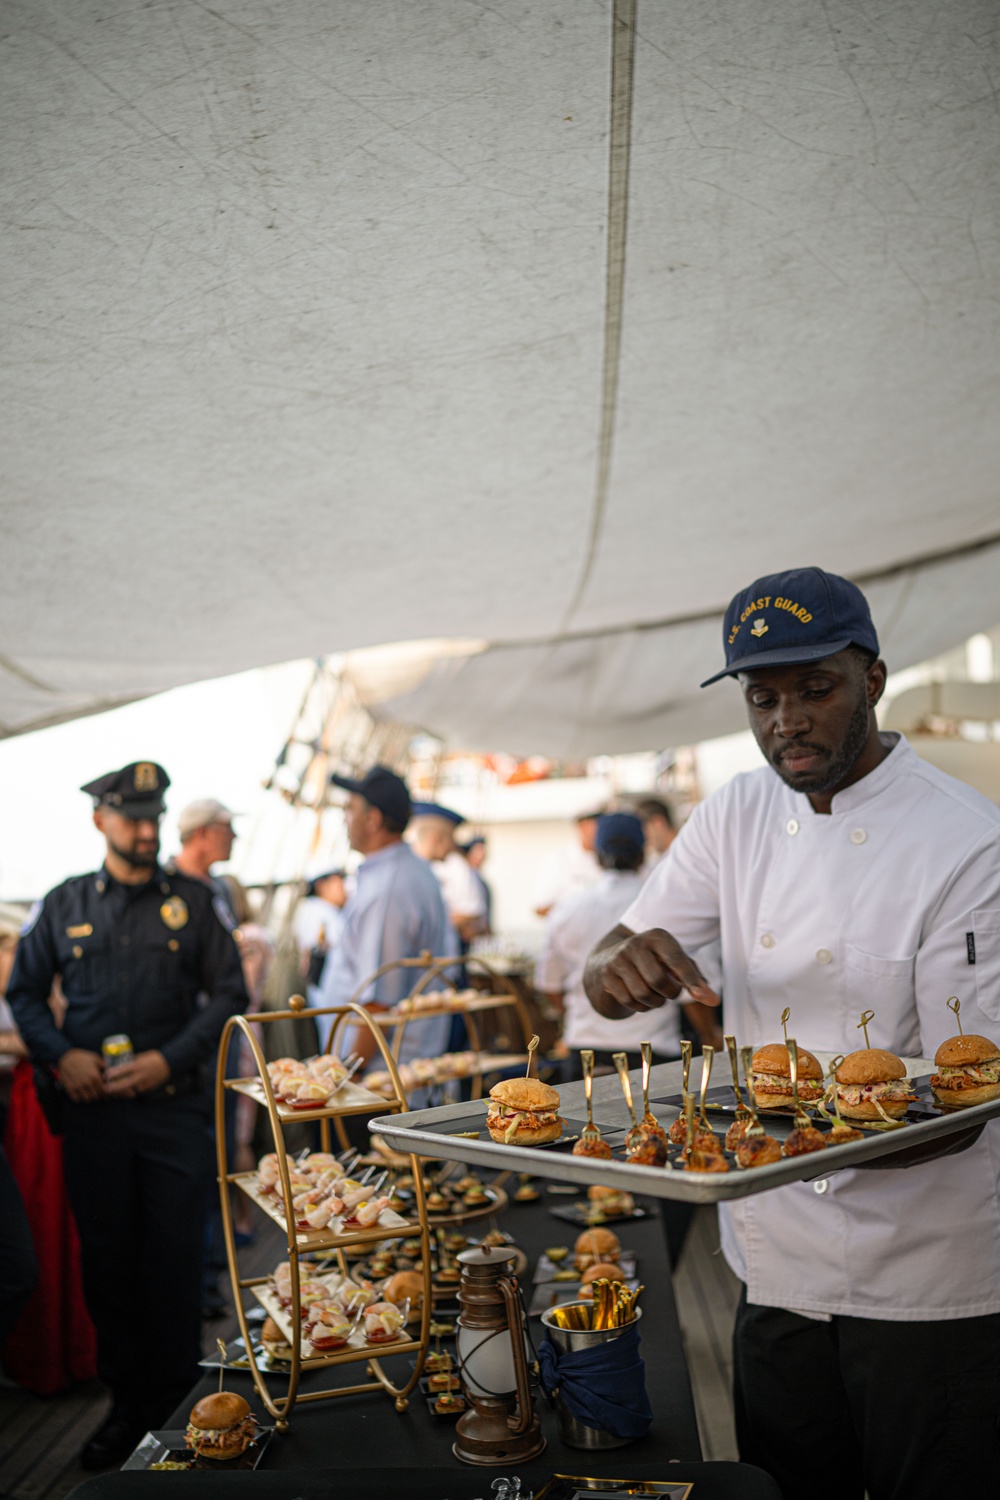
(222, 1361)
(866, 1016)
(531, 1055)
(756, 1128)
(686, 1050)
(742, 1113)
(707, 1055)
(955, 1004)
(635, 1136)
(589, 1135)
(784, 1021)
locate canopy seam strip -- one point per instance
(623, 22)
(924, 560)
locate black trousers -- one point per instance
(906, 1411)
(18, 1268)
(135, 1173)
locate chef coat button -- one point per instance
(792, 826)
(77, 951)
(824, 956)
(858, 836)
(821, 1186)
(767, 941)
(100, 885)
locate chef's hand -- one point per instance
(81, 1074)
(632, 972)
(147, 1070)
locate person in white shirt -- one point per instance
(572, 868)
(845, 874)
(569, 936)
(659, 828)
(319, 917)
(432, 837)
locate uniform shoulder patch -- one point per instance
(32, 917)
(223, 913)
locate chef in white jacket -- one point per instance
(845, 874)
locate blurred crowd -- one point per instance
(114, 993)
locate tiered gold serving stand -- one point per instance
(352, 1099)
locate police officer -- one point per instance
(134, 947)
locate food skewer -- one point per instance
(866, 1016)
(707, 1057)
(677, 1134)
(649, 1122)
(700, 1156)
(757, 1148)
(804, 1138)
(591, 1142)
(635, 1137)
(532, 1045)
(955, 1004)
(744, 1119)
(840, 1133)
(784, 1021)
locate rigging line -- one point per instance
(716, 612)
(623, 21)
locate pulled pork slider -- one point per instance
(595, 1245)
(524, 1112)
(274, 1341)
(771, 1077)
(220, 1426)
(600, 1268)
(968, 1071)
(868, 1075)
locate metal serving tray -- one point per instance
(443, 1133)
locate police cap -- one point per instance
(136, 791)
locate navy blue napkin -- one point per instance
(603, 1386)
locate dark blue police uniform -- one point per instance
(134, 959)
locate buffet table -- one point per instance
(362, 1447)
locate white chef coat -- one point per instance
(869, 907)
(462, 893)
(570, 932)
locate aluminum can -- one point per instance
(116, 1050)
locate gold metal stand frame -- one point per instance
(353, 1100)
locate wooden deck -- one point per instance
(40, 1438)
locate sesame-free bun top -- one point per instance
(524, 1093)
(870, 1065)
(601, 1268)
(600, 1242)
(220, 1410)
(966, 1051)
(404, 1284)
(774, 1059)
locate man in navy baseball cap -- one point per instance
(800, 616)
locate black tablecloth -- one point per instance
(717, 1481)
(359, 1431)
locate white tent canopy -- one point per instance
(317, 335)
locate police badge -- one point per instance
(174, 913)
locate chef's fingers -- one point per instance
(624, 984)
(682, 969)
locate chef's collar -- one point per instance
(104, 880)
(860, 793)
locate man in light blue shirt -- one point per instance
(396, 912)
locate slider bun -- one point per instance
(601, 1244)
(524, 1135)
(963, 1098)
(870, 1065)
(404, 1284)
(601, 1268)
(524, 1093)
(965, 1052)
(774, 1059)
(894, 1108)
(768, 1099)
(220, 1410)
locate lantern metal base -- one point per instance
(483, 1436)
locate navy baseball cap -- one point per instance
(383, 789)
(799, 616)
(435, 810)
(619, 833)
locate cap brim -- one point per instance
(786, 656)
(139, 811)
(348, 783)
